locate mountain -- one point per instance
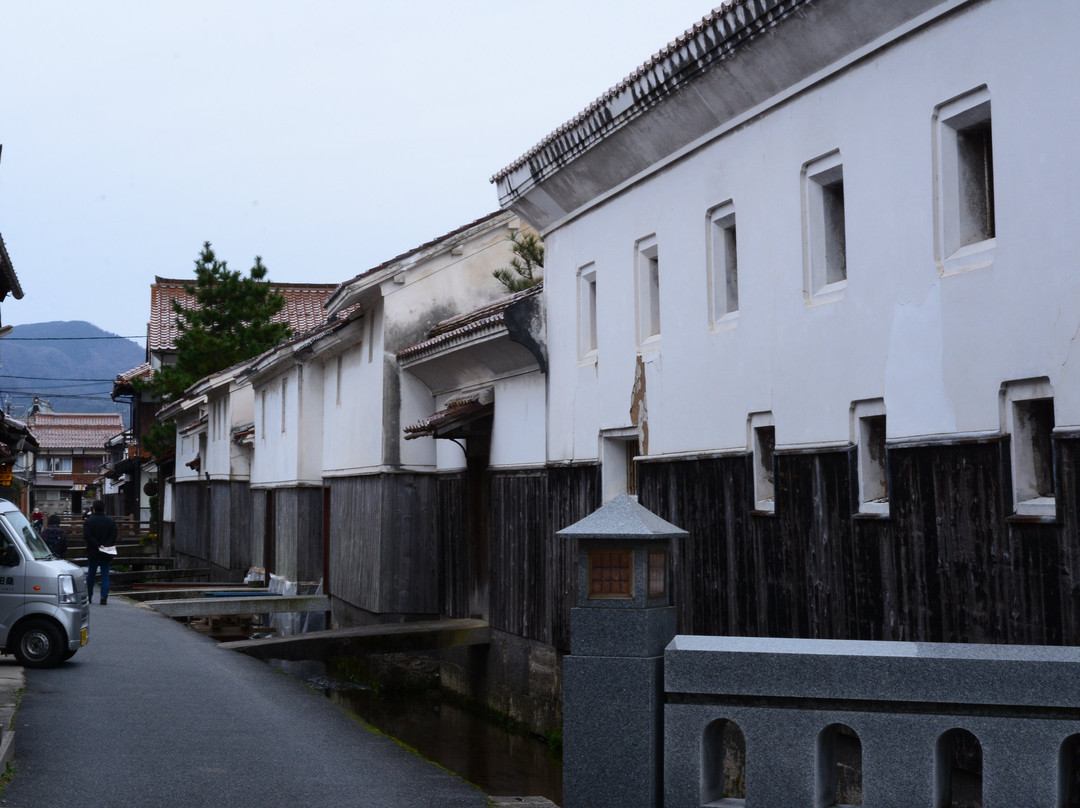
(68, 364)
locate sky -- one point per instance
(326, 136)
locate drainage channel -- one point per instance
(496, 759)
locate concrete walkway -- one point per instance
(152, 713)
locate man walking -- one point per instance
(100, 532)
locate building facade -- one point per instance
(811, 299)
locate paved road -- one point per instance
(151, 713)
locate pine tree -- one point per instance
(231, 320)
(528, 258)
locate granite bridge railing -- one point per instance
(651, 719)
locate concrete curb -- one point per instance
(12, 683)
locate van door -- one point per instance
(12, 582)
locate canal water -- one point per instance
(498, 760)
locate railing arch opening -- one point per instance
(723, 765)
(959, 770)
(1069, 773)
(839, 767)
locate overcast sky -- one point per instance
(326, 136)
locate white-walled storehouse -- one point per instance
(339, 495)
(213, 470)
(811, 294)
(207, 504)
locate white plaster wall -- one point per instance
(291, 454)
(442, 286)
(518, 433)
(352, 419)
(935, 348)
(218, 438)
(416, 403)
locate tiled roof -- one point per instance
(303, 308)
(476, 320)
(713, 38)
(8, 280)
(71, 430)
(143, 371)
(458, 412)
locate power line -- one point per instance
(56, 379)
(65, 339)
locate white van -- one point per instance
(44, 610)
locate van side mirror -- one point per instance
(9, 557)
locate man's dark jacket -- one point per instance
(99, 531)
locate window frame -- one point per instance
(722, 261)
(825, 253)
(1025, 466)
(760, 425)
(588, 336)
(647, 290)
(954, 207)
(872, 472)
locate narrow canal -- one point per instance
(498, 760)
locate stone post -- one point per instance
(613, 679)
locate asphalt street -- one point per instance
(151, 713)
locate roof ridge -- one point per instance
(717, 28)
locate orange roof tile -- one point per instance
(303, 308)
(75, 430)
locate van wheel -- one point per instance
(40, 644)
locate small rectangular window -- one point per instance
(618, 469)
(964, 183)
(657, 573)
(762, 448)
(825, 237)
(1028, 419)
(337, 381)
(611, 573)
(723, 264)
(284, 402)
(868, 434)
(647, 271)
(587, 342)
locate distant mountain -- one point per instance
(69, 365)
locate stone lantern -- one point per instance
(613, 677)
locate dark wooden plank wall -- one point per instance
(298, 533)
(383, 548)
(241, 527)
(408, 548)
(213, 525)
(453, 544)
(532, 571)
(949, 564)
(190, 520)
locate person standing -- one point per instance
(54, 536)
(99, 531)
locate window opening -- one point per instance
(763, 445)
(1069, 773)
(723, 263)
(723, 768)
(611, 573)
(964, 173)
(1028, 419)
(587, 341)
(839, 772)
(868, 434)
(657, 573)
(825, 228)
(959, 770)
(618, 449)
(648, 289)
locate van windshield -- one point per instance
(37, 546)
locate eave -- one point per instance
(728, 68)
